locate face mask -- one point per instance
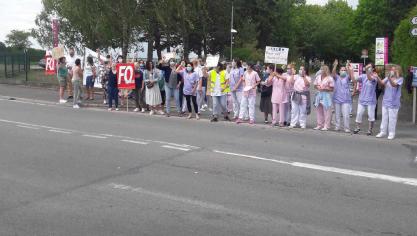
(142, 66)
(343, 74)
(301, 72)
(268, 71)
(189, 68)
(370, 70)
(172, 64)
(182, 64)
(392, 73)
(120, 60)
(289, 72)
(234, 64)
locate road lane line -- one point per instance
(135, 142)
(27, 127)
(177, 148)
(94, 136)
(383, 177)
(59, 131)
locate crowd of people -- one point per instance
(231, 89)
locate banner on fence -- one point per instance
(276, 55)
(125, 75)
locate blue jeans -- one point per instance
(169, 92)
(219, 105)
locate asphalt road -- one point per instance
(93, 172)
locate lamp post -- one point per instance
(232, 31)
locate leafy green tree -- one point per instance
(405, 46)
(18, 39)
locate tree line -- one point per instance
(312, 32)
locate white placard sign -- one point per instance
(212, 61)
(276, 55)
(168, 56)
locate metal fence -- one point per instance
(14, 64)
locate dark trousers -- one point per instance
(163, 96)
(139, 98)
(194, 99)
(113, 94)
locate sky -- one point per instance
(21, 14)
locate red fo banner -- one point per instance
(50, 65)
(125, 76)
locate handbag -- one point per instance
(149, 85)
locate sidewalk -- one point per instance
(406, 131)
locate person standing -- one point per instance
(290, 89)
(367, 98)
(300, 98)
(342, 96)
(62, 74)
(324, 83)
(218, 89)
(266, 93)
(172, 85)
(153, 95)
(112, 90)
(251, 80)
(391, 102)
(279, 96)
(202, 90)
(77, 74)
(70, 59)
(190, 79)
(90, 73)
(139, 91)
(236, 86)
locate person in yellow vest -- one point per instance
(219, 87)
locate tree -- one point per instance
(18, 39)
(405, 46)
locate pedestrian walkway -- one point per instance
(405, 129)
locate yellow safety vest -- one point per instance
(223, 82)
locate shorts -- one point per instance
(62, 82)
(89, 82)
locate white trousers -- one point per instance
(389, 120)
(361, 110)
(342, 110)
(247, 103)
(237, 98)
(299, 114)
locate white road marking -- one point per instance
(177, 148)
(389, 178)
(34, 125)
(133, 141)
(59, 131)
(94, 136)
(27, 127)
(174, 144)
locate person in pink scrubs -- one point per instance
(300, 99)
(279, 96)
(324, 83)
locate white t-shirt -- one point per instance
(71, 61)
(88, 70)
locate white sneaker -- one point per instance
(161, 112)
(110, 109)
(202, 109)
(104, 102)
(76, 106)
(143, 110)
(62, 101)
(136, 110)
(151, 113)
(205, 106)
(391, 136)
(291, 126)
(117, 109)
(337, 129)
(380, 135)
(317, 128)
(324, 129)
(347, 131)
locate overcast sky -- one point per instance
(20, 14)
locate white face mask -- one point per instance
(301, 72)
(120, 60)
(392, 73)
